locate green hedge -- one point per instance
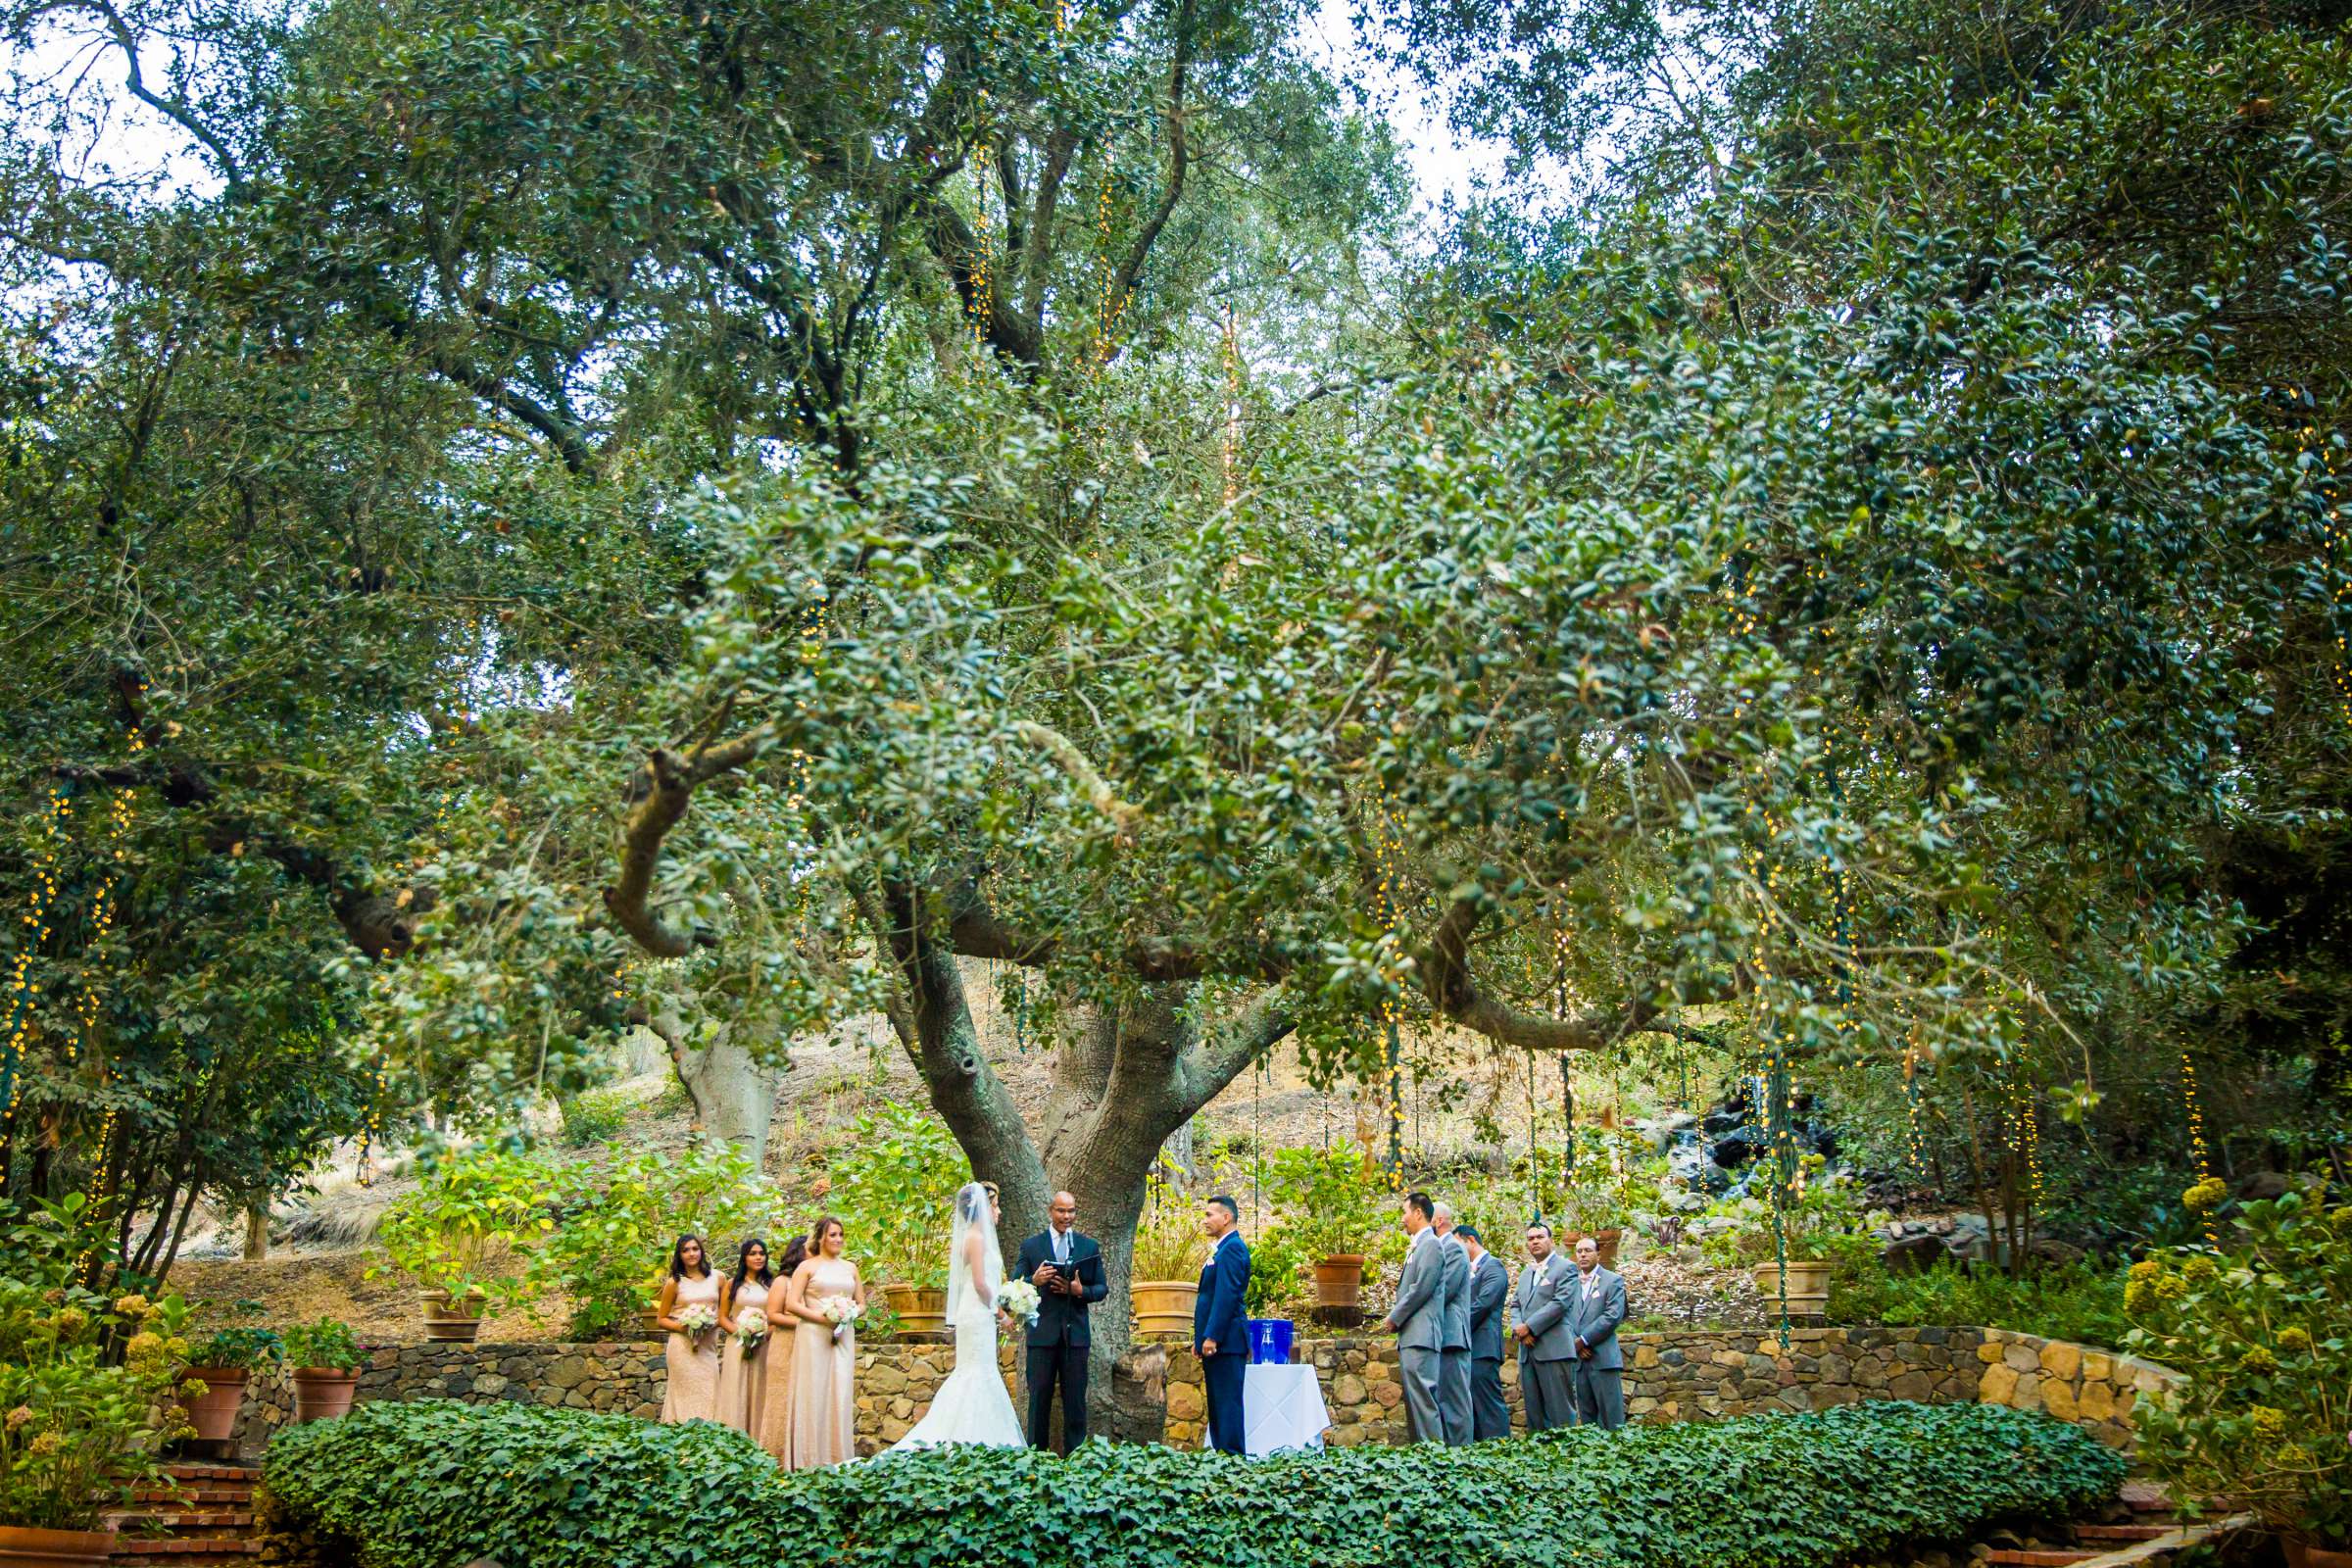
(435, 1485)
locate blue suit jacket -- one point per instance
(1221, 1312)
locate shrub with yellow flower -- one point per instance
(2249, 1328)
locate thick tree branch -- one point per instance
(1071, 760)
(175, 110)
(1443, 972)
(1131, 270)
(662, 790)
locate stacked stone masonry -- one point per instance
(896, 1380)
(1671, 1376)
(1702, 1376)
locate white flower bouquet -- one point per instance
(1019, 1297)
(749, 1329)
(843, 1312)
(697, 1319)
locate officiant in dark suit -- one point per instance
(1067, 1270)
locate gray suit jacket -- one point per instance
(1454, 1275)
(1542, 1307)
(1489, 1284)
(1418, 1317)
(1596, 1321)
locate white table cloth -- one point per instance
(1282, 1408)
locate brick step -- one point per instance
(2146, 1496)
(2029, 1557)
(212, 1472)
(153, 1551)
(2145, 1532)
(184, 1521)
(203, 1495)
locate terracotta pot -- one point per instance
(2303, 1554)
(214, 1412)
(649, 1323)
(451, 1321)
(1340, 1280)
(1606, 1241)
(1808, 1286)
(1162, 1306)
(919, 1311)
(23, 1547)
(322, 1393)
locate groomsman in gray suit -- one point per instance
(1419, 1320)
(1453, 1369)
(1546, 1344)
(1593, 1317)
(1490, 1286)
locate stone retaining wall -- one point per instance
(1684, 1376)
(1671, 1376)
(896, 1380)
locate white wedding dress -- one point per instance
(971, 1405)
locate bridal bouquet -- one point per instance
(1019, 1297)
(843, 1312)
(698, 1319)
(749, 1329)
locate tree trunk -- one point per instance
(734, 1095)
(257, 1230)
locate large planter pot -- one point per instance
(1340, 1280)
(322, 1393)
(1162, 1306)
(24, 1547)
(918, 1311)
(214, 1412)
(451, 1320)
(1606, 1241)
(1808, 1286)
(2302, 1554)
(649, 1323)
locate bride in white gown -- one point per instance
(971, 1405)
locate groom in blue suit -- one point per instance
(1221, 1322)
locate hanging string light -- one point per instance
(23, 991)
(1388, 872)
(982, 304)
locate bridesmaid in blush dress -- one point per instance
(742, 1373)
(775, 1417)
(693, 1390)
(824, 1415)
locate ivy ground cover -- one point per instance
(434, 1484)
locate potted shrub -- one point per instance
(613, 1230)
(895, 1186)
(2260, 1329)
(1602, 1214)
(224, 1364)
(1169, 1253)
(449, 1232)
(325, 1363)
(1333, 1201)
(81, 1431)
(1817, 1221)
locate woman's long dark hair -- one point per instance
(766, 1274)
(678, 1256)
(796, 1252)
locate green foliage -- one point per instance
(1280, 1272)
(469, 1213)
(419, 1485)
(239, 1350)
(894, 1185)
(594, 1116)
(89, 1391)
(1821, 1221)
(1169, 1243)
(2081, 1302)
(326, 1345)
(1332, 1202)
(607, 1252)
(2263, 1327)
